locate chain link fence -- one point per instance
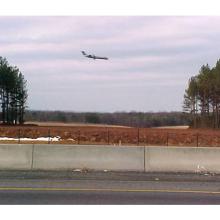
(109, 136)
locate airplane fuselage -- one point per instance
(94, 57)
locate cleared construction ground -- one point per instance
(60, 133)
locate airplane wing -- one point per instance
(102, 58)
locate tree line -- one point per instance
(13, 93)
(133, 119)
(202, 98)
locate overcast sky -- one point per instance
(150, 60)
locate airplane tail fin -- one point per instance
(83, 52)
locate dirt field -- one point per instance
(60, 124)
(78, 134)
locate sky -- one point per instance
(150, 61)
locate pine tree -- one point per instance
(13, 93)
(203, 97)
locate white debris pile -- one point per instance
(57, 138)
(200, 169)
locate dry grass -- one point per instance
(173, 127)
(62, 124)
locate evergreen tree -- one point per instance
(202, 97)
(13, 93)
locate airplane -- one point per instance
(93, 56)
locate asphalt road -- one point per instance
(108, 188)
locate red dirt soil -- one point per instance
(115, 135)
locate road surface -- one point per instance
(107, 188)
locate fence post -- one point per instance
(167, 139)
(19, 135)
(79, 136)
(48, 136)
(108, 135)
(32, 135)
(138, 137)
(197, 139)
(146, 138)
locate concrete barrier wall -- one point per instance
(126, 158)
(15, 157)
(55, 157)
(182, 159)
